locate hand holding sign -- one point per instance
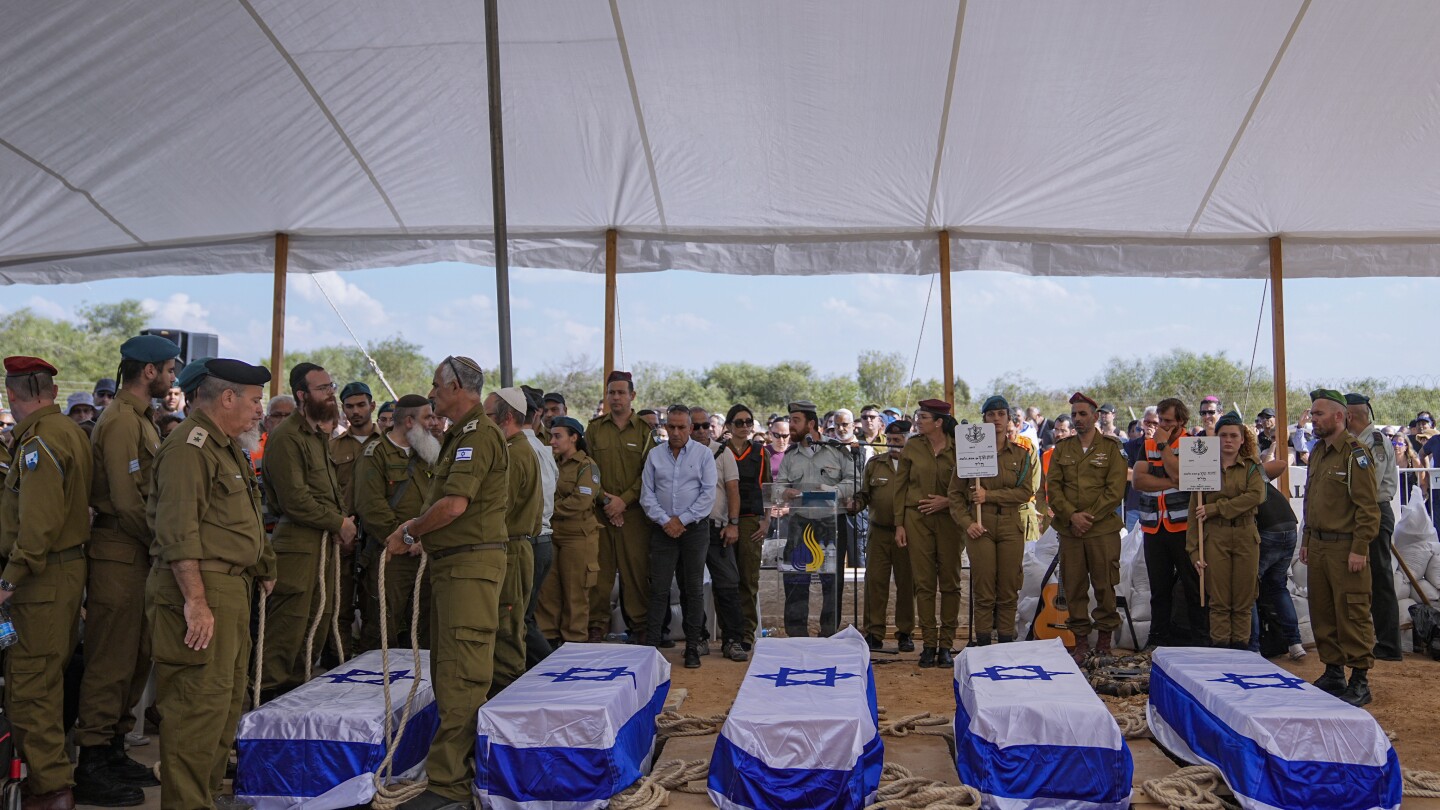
(1200, 472)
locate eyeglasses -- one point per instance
(454, 369)
(701, 425)
(869, 416)
(327, 387)
(743, 422)
(1208, 413)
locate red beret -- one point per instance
(618, 376)
(1079, 397)
(936, 406)
(20, 365)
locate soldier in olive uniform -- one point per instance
(995, 514)
(1342, 517)
(208, 541)
(463, 530)
(301, 488)
(923, 522)
(356, 406)
(522, 521)
(1384, 606)
(1085, 488)
(1232, 538)
(877, 493)
(117, 644)
(564, 608)
(44, 522)
(392, 479)
(619, 441)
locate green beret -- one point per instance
(1357, 399)
(355, 389)
(149, 349)
(569, 422)
(1327, 393)
(194, 372)
(995, 403)
(389, 406)
(1231, 418)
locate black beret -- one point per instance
(555, 397)
(237, 371)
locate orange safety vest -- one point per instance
(1170, 507)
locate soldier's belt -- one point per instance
(108, 522)
(1338, 537)
(446, 552)
(1243, 520)
(997, 508)
(72, 553)
(515, 538)
(541, 539)
(213, 566)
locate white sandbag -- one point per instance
(1414, 527)
(1432, 571)
(1307, 633)
(1048, 545)
(1404, 611)
(1034, 569)
(1417, 556)
(1024, 614)
(1299, 578)
(1302, 608)
(1123, 639)
(1402, 587)
(1429, 590)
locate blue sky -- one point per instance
(1058, 331)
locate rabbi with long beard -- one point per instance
(392, 478)
(301, 488)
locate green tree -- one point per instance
(406, 367)
(578, 379)
(880, 375)
(82, 351)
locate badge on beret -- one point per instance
(464, 454)
(197, 436)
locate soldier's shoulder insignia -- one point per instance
(464, 454)
(594, 475)
(32, 459)
(1361, 457)
(197, 436)
(370, 449)
(471, 426)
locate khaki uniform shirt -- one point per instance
(45, 505)
(922, 473)
(1340, 494)
(124, 444)
(383, 471)
(620, 454)
(1382, 452)
(577, 494)
(877, 489)
(1242, 490)
(300, 481)
(473, 465)
(205, 503)
(527, 502)
(1092, 482)
(344, 451)
(1011, 490)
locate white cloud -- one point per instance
(48, 308)
(179, 311)
(841, 307)
(367, 316)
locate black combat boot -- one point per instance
(1357, 693)
(927, 657)
(907, 644)
(126, 770)
(943, 658)
(95, 784)
(1333, 681)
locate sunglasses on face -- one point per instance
(743, 423)
(1208, 413)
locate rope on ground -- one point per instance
(1422, 784)
(653, 791)
(922, 723)
(1192, 788)
(674, 724)
(391, 793)
(906, 790)
(1129, 715)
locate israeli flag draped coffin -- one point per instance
(1278, 740)
(573, 731)
(1030, 732)
(803, 731)
(317, 746)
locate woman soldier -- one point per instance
(564, 610)
(993, 514)
(1231, 563)
(923, 523)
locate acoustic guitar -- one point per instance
(1052, 613)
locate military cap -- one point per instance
(555, 397)
(995, 403)
(78, 398)
(802, 406)
(939, 407)
(1107, 408)
(569, 422)
(20, 365)
(1357, 399)
(533, 397)
(513, 397)
(409, 401)
(1327, 393)
(1266, 413)
(1079, 397)
(237, 371)
(1424, 416)
(105, 385)
(191, 376)
(1230, 418)
(149, 349)
(620, 376)
(389, 405)
(355, 389)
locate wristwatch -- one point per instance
(734, 521)
(405, 534)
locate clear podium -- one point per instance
(807, 521)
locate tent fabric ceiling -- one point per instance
(1089, 138)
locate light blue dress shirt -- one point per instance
(678, 486)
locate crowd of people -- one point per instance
(173, 505)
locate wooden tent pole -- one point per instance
(946, 328)
(277, 316)
(610, 268)
(1277, 340)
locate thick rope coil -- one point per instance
(391, 794)
(1192, 788)
(645, 794)
(1129, 714)
(673, 724)
(650, 792)
(922, 723)
(905, 790)
(1422, 784)
(321, 595)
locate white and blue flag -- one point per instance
(317, 747)
(803, 731)
(1030, 732)
(1279, 741)
(573, 731)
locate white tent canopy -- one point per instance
(1086, 138)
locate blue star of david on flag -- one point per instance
(365, 676)
(1269, 680)
(1027, 672)
(592, 674)
(822, 677)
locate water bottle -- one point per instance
(8, 636)
(769, 632)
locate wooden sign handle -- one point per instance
(1202, 556)
(975, 483)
